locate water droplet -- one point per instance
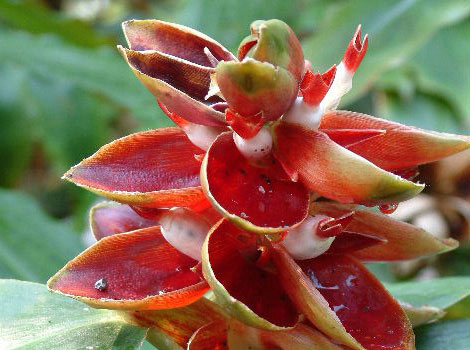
(243, 215)
(336, 308)
(261, 189)
(388, 208)
(101, 284)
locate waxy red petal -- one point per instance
(348, 242)
(309, 300)
(140, 270)
(367, 311)
(109, 218)
(314, 86)
(334, 172)
(155, 169)
(250, 293)
(401, 147)
(173, 39)
(355, 51)
(169, 71)
(258, 198)
(243, 126)
(301, 337)
(180, 323)
(404, 241)
(212, 336)
(350, 137)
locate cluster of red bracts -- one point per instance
(255, 196)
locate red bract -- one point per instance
(257, 195)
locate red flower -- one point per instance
(261, 183)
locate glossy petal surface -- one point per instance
(301, 337)
(138, 270)
(161, 87)
(334, 172)
(404, 241)
(153, 168)
(350, 137)
(212, 336)
(309, 300)
(109, 218)
(251, 87)
(180, 323)
(173, 39)
(401, 147)
(348, 242)
(258, 198)
(248, 292)
(365, 308)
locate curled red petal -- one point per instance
(173, 39)
(367, 311)
(212, 336)
(259, 198)
(350, 137)
(153, 168)
(182, 97)
(333, 171)
(137, 270)
(108, 218)
(401, 147)
(355, 51)
(403, 241)
(249, 292)
(243, 126)
(314, 86)
(348, 242)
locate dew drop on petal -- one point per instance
(101, 284)
(388, 208)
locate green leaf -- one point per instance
(32, 318)
(99, 70)
(442, 66)
(452, 335)
(441, 293)
(32, 245)
(397, 30)
(421, 110)
(34, 18)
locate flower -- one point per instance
(256, 195)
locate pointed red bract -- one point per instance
(108, 218)
(355, 51)
(314, 86)
(367, 311)
(404, 241)
(350, 137)
(259, 198)
(153, 169)
(252, 293)
(173, 39)
(401, 147)
(193, 108)
(333, 171)
(243, 126)
(138, 270)
(348, 242)
(212, 336)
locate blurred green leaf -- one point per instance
(441, 293)
(32, 318)
(449, 335)
(397, 30)
(32, 245)
(31, 17)
(442, 66)
(421, 110)
(101, 71)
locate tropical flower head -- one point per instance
(259, 194)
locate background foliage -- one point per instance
(65, 91)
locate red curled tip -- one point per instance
(314, 86)
(355, 51)
(334, 227)
(174, 117)
(246, 127)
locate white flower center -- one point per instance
(256, 147)
(303, 243)
(185, 231)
